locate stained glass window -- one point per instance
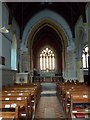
(85, 57)
(47, 60)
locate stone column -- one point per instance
(20, 63)
(80, 71)
(71, 63)
(31, 76)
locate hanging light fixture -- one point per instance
(4, 30)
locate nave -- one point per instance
(44, 60)
(36, 101)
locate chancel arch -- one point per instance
(62, 39)
(47, 35)
(46, 15)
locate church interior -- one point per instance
(44, 60)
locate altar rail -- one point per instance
(47, 79)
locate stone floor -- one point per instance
(49, 107)
(48, 93)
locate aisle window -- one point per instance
(14, 53)
(85, 57)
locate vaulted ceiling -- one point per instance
(23, 11)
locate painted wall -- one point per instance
(7, 73)
(8, 77)
(8, 37)
(6, 51)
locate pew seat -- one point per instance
(8, 113)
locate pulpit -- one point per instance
(22, 77)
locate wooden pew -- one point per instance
(7, 113)
(18, 92)
(16, 96)
(25, 88)
(23, 111)
(65, 91)
(31, 94)
(80, 105)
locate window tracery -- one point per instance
(47, 60)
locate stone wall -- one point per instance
(24, 62)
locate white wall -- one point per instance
(6, 51)
(8, 77)
(7, 73)
(5, 15)
(8, 37)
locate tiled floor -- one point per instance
(49, 107)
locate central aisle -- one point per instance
(49, 105)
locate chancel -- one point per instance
(44, 60)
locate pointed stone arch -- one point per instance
(58, 31)
(39, 21)
(44, 16)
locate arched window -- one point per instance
(47, 60)
(14, 53)
(85, 55)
